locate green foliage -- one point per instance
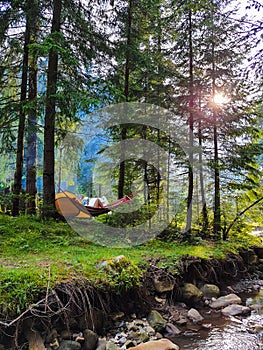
(122, 274)
(5, 202)
(135, 218)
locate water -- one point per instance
(234, 333)
(231, 336)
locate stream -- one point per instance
(225, 336)
(228, 333)
(224, 333)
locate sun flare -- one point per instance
(220, 98)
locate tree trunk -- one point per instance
(21, 127)
(217, 209)
(201, 176)
(31, 189)
(191, 130)
(121, 182)
(122, 165)
(159, 51)
(50, 114)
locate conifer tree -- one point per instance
(21, 123)
(50, 115)
(31, 154)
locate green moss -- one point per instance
(122, 274)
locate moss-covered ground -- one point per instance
(36, 254)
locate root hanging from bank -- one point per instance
(69, 305)
(216, 271)
(57, 307)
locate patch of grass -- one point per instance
(34, 254)
(19, 288)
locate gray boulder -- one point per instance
(210, 291)
(164, 285)
(194, 315)
(171, 330)
(191, 292)
(156, 320)
(235, 309)
(91, 339)
(149, 330)
(225, 301)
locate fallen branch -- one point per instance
(225, 234)
(28, 310)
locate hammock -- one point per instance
(68, 205)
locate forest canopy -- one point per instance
(66, 63)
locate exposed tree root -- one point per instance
(212, 271)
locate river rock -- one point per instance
(191, 292)
(182, 321)
(91, 339)
(69, 345)
(137, 325)
(54, 345)
(161, 344)
(143, 337)
(156, 320)
(250, 257)
(133, 326)
(225, 301)
(111, 346)
(194, 315)
(235, 309)
(171, 330)
(258, 328)
(149, 330)
(118, 316)
(210, 291)
(164, 285)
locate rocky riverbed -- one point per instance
(174, 322)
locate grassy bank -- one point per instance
(35, 254)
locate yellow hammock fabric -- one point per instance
(68, 205)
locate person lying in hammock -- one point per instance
(68, 204)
